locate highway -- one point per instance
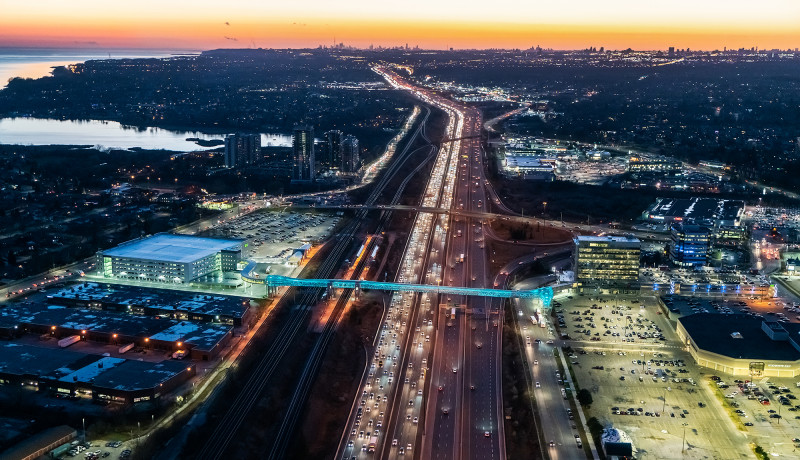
(464, 417)
(389, 408)
(456, 412)
(226, 431)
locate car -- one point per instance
(552, 444)
(486, 434)
(416, 420)
(445, 411)
(441, 387)
(472, 387)
(394, 442)
(748, 423)
(538, 385)
(535, 362)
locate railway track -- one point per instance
(221, 438)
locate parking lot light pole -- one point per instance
(683, 442)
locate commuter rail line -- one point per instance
(544, 294)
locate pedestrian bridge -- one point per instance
(544, 294)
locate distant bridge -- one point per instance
(544, 294)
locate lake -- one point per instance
(110, 134)
(38, 62)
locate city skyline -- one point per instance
(618, 24)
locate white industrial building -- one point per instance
(167, 258)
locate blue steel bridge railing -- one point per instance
(544, 294)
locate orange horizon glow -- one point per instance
(202, 24)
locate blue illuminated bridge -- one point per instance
(544, 294)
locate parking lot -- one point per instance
(708, 275)
(771, 309)
(766, 409)
(272, 236)
(93, 451)
(642, 381)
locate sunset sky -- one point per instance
(562, 24)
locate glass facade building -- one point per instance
(690, 245)
(607, 260)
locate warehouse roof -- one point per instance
(736, 336)
(202, 337)
(159, 299)
(166, 247)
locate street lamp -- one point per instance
(544, 204)
(683, 442)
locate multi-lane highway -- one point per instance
(432, 389)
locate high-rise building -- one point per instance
(303, 153)
(690, 244)
(350, 154)
(607, 260)
(332, 158)
(242, 149)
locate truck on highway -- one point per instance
(453, 313)
(460, 258)
(372, 442)
(67, 341)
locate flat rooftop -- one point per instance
(18, 359)
(134, 375)
(161, 299)
(516, 161)
(202, 336)
(167, 247)
(57, 364)
(607, 239)
(697, 209)
(717, 334)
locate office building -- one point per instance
(690, 244)
(171, 259)
(303, 154)
(332, 150)
(607, 260)
(350, 154)
(242, 149)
